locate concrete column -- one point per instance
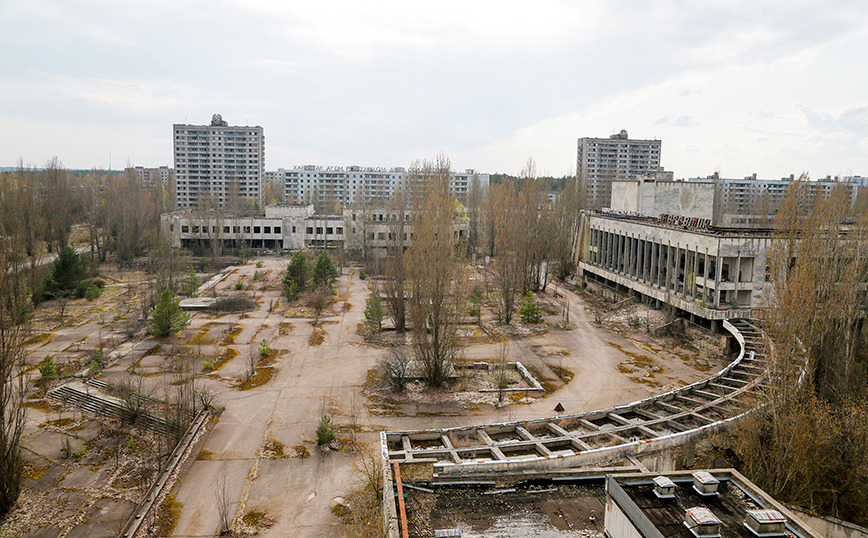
(611, 249)
(636, 257)
(667, 263)
(676, 263)
(705, 274)
(737, 273)
(695, 270)
(655, 260)
(717, 274)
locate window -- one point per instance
(340, 230)
(247, 229)
(226, 229)
(195, 229)
(277, 229)
(309, 230)
(185, 229)
(381, 236)
(319, 230)
(267, 229)
(330, 231)
(236, 229)
(257, 229)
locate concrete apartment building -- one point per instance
(216, 162)
(603, 160)
(151, 176)
(347, 185)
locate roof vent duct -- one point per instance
(705, 484)
(766, 523)
(664, 488)
(702, 522)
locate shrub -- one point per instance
(47, 368)
(259, 264)
(92, 292)
(132, 442)
(394, 370)
(257, 276)
(239, 285)
(208, 365)
(81, 452)
(233, 304)
(529, 310)
(264, 348)
(362, 275)
(325, 433)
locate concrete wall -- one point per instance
(683, 198)
(831, 527)
(625, 195)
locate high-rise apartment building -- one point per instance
(602, 160)
(218, 164)
(151, 176)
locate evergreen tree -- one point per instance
(167, 317)
(296, 276)
(325, 272)
(68, 277)
(529, 311)
(375, 311)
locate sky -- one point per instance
(735, 87)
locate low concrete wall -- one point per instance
(831, 527)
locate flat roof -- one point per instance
(730, 506)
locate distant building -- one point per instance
(347, 185)
(747, 202)
(152, 176)
(217, 162)
(603, 160)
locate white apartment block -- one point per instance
(347, 185)
(216, 162)
(151, 176)
(602, 160)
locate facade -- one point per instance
(347, 185)
(709, 274)
(297, 226)
(218, 162)
(603, 160)
(151, 176)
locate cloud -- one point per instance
(681, 121)
(852, 121)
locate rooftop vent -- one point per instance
(664, 488)
(766, 523)
(704, 483)
(701, 522)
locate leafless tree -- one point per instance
(13, 331)
(434, 273)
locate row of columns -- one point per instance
(656, 264)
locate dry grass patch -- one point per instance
(317, 337)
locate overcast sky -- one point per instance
(737, 87)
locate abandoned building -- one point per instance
(297, 226)
(708, 273)
(611, 502)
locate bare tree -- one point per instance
(13, 330)
(433, 271)
(395, 263)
